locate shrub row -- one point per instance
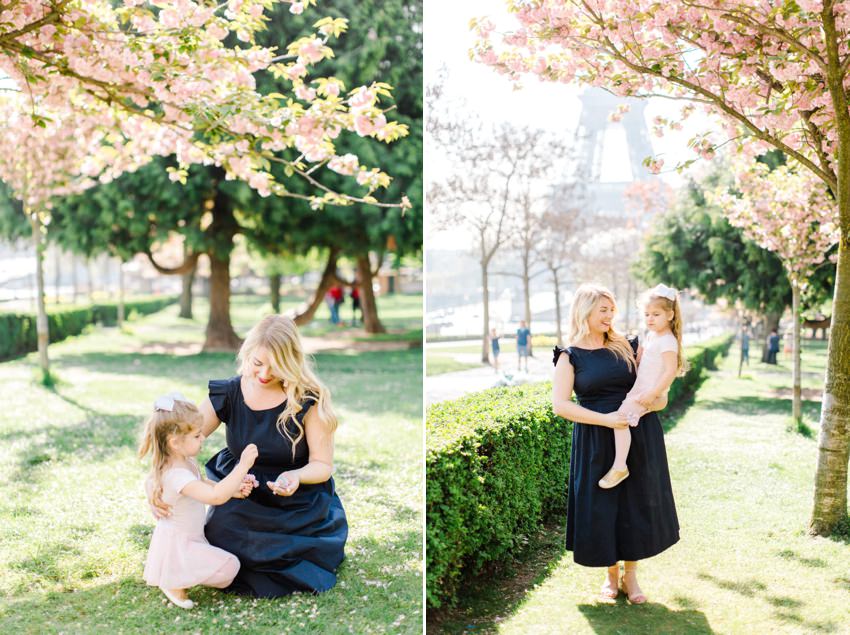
(18, 330)
(497, 464)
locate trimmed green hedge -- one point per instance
(497, 464)
(18, 330)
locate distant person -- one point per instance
(772, 346)
(745, 346)
(494, 346)
(332, 307)
(337, 297)
(355, 304)
(523, 344)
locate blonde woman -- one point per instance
(636, 520)
(289, 533)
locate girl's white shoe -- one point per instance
(183, 604)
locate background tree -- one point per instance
(788, 212)
(556, 247)
(777, 77)
(480, 192)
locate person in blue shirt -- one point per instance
(523, 344)
(494, 344)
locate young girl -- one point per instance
(661, 360)
(180, 556)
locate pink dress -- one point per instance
(648, 374)
(179, 556)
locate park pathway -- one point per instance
(743, 481)
(456, 384)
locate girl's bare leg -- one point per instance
(622, 443)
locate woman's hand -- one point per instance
(616, 420)
(285, 484)
(159, 509)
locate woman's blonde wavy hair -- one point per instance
(161, 426)
(278, 335)
(585, 300)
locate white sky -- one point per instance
(492, 97)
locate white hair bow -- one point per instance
(663, 291)
(166, 402)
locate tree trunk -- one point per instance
(220, 335)
(485, 288)
(57, 278)
(91, 280)
(41, 324)
(830, 499)
(371, 322)
(797, 405)
(526, 292)
(187, 280)
(120, 293)
(771, 321)
(558, 333)
(74, 288)
(274, 288)
(328, 277)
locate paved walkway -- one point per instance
(453, 385)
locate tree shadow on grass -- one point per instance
(786, 609)
(751, 406)
(649, 618)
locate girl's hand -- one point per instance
(248, 484)
(616, 420)
(249, 455)
(285, 484)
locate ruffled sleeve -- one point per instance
(176, 479)
(668, 344)
(557, 354)
(221, 398)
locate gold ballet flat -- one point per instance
(613, 478)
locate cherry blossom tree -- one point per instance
(789, 212)
(776, 74)
(135, 80)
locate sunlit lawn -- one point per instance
(74, 526)
(743, 481)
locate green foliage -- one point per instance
(693, 246)
(384, 43)
(497, 464)
(18, 334)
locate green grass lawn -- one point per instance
(437, 364)
(743, 481)
(73, 519)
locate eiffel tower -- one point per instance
(608, 159)
(611, 154)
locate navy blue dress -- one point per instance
(637, 518)
(284, 543)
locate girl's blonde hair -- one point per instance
(585, 300)
(675, 324)
(184, 418)
(278, 335)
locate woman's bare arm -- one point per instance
(320, 465)
(562, 404)
(211, 421)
